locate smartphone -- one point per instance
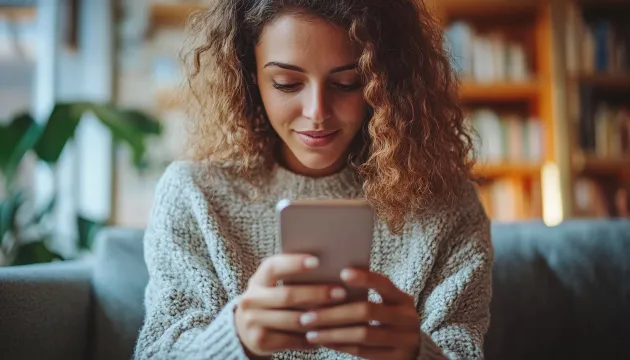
(338, 232)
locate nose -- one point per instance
(316, 107)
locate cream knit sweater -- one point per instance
(207, 236)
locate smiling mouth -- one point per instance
(317, 138)
(317, 134)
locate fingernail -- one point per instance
(311, 335)
(338, 293)
(311, 262)
(307, 318)
(347, 275)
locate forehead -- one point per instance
(305, 40)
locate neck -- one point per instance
(289, 161)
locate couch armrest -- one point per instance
(44, 310)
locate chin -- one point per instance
(318, 162)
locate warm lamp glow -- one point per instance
(551, 195)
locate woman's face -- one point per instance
(306, 73)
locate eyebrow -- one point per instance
(299, 69)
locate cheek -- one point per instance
(352, 110)
(280, 109)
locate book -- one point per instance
(606, 132)
(599, 46)
(485, 57)
(507, 137)
(459, 45)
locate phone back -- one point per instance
(338, 232)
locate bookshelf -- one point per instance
(450, 9)
(505, 170)
(502, 51)
(597, 66)
(590, 5)
(605, 82)
(519, 91)
(598, 166)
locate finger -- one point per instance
(373, 336)
(380, 283)
(397, 316)
(281, 320)
(298, 296)
(277, 267)
(270, 341)
(370, 353)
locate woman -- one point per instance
(318, 99)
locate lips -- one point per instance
(317, 138)
(317, 134)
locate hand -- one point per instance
(347, 328)
(263, 323)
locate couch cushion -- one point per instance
(561, 292)
(119, 279)
(44, 310)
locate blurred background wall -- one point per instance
(546, 84)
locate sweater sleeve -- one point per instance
(455, 303)
(188, 314)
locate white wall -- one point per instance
(94, 143)
(84, 173)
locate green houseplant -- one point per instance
(26, 232)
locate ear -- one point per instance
(254, 77)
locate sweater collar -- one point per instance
(343, 184)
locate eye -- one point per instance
(348, 87)
(287, 88)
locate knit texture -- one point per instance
(208, 233)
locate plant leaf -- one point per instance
(8, 211)
(6, 208)
(143, 122)
(59, 128)
(35, 253)
(87, 230)
(26, 143)
(11, 134)
(123, 129)
(15, 141)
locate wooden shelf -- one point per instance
(18, 12)
(606, 82)
(490, 171)
(604, 4)
(167, 14)
(486, 8)
(499, 92)
(591, 164)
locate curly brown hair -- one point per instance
(417, 149)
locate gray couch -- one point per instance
(559, 293)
